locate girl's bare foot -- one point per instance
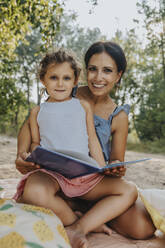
(76, 237)
(101, 229)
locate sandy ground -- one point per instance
(149, 174)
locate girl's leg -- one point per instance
(135, 223)
(41, 190)
(113, 196)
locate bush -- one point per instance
(156, 146)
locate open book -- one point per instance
(70, 164)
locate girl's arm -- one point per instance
(94, 145)
(34, 128)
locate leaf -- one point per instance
(1, 188)
(33, 245)
(5, 207)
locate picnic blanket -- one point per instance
(37, 227)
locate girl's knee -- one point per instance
(38, 192)
(34, 193)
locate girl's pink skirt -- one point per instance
(70, 187)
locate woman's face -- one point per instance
(102, 74)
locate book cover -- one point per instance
(70, 164)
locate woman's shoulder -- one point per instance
(85, 104)
(120, 118)
(123, 110)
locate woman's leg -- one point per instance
(135, 223)
(111, 193)
(41, 190)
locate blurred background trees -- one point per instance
(30, 28)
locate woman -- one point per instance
(105, 64)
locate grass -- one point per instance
(157, 146)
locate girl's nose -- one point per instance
(60, 82)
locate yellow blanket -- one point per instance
(25, 226)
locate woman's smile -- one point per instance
(99, 86)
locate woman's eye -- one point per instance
(107, 70)
(92, 68)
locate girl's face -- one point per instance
(102, 74)
(59, 81)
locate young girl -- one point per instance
(67, 123)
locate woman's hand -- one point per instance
(118, 171)
(23, 166)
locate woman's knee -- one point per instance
(143, 230)
(134, 223)
(131, 191)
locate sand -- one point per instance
(149, 174)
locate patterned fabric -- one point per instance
(25, 226)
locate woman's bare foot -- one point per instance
(76, 237)
(101, 229)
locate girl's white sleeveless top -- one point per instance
(62, 126)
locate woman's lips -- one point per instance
(99, 86)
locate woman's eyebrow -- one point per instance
(108, 66)
(92, 65)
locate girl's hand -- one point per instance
(118, 171)
(23, 166)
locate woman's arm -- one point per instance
(23, 148)
(119, 136)
(118, 143)
(24, 138)
(94, 145)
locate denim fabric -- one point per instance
(103, 129)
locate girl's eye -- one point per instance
(107, 70)
(92, 68)
(67, 78)
(53, 77)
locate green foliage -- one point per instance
(19, 18)
(150, 120)
(74, 37)
(19, 21)
(130, 84)
(156, 146)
